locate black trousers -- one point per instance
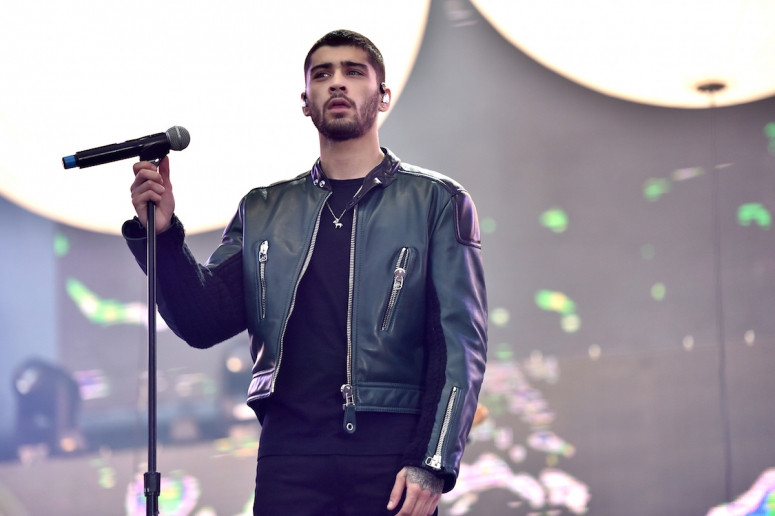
(325, 485)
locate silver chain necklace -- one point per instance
(338, 224)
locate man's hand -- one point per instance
(423, 490)
(153, 185)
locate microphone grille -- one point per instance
(179, 137)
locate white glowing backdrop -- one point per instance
(81, 74)
(654, 52)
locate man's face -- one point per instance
(343, 96)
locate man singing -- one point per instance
(361, 286)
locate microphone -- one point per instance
(148, 148)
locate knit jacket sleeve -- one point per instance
(202, 304)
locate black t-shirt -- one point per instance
(304, 415)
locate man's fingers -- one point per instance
(410, 503)
(143, 165)
(144, 175)
(147, 186)
(418, 502)
(430, 506)
(147, 192)
(147, 197)
(421, 509)
(398, 488)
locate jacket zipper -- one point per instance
(398, 283)
(435, 461)
(262, 256)
(347, 389)
(295, 290)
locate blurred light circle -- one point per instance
(570, 323)
(68, 444)
(658, 291)
(517, 453)
(499, 317)
(234, 364)
(82, 74)
(650, 52)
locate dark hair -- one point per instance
(342, 38)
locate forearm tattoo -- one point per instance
(425, 479)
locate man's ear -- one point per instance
(304, 108)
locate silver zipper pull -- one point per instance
(262, 251)
(398, 278)
(347, 394)
(434, 462)
(349, 408)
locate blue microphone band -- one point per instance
(69, 162)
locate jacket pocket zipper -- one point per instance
(435, 461)
(398, 283)
(262, 257)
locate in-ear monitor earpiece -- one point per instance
(385, 96)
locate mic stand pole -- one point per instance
(153, 153)
(151, 479)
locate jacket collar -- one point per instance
(382, 175)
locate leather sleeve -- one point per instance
(202, 304)
(457, 275)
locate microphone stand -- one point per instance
(151, 478)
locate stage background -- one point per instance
(630, 263)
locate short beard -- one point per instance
(340, 129)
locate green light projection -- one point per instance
(503, 351)
(658, 291)
(555, 219)
(61, 245)
(769, 132)
(553, 301)
(754, 213)
(655, 188)
(488, 225)
(107, 312)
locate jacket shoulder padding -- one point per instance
(466, 219)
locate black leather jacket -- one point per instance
(417, 310)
